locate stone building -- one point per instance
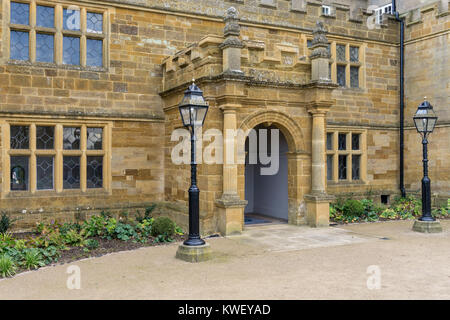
(89, 94)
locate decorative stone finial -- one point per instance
(232, 30)
(320, 42)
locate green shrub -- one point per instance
(5, 223)
(353, 208)
(163, 228)
(7, 266)
(91, 244)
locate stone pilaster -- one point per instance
(320, 101)
(232, 45)
(230, 206)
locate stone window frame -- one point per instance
(58, 152)
(58, 32)
(347, 63)
(334, 152)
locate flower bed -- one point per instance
(351, 210)
(67, 242)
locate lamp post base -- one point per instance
(194, 253)
(427, 226)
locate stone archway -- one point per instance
(299, 161)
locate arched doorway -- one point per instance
(266, 176)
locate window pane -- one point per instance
(44, 47)
(19, 137)
(355, 141)
(94, 172)
(19, 173)
(354, 77)
(340, 70)
(71, 54)
(308, 43)
(329, 167)
(342, 141)
(330, 141)
(354, 54)
(71, 172)
(20, 13)
(71, 139)
(340, 52)
(94, 52)
(44, 137)
(342, 167)
(19, 45)
(94, 22)
(356, 162)
(45, 16)
(94, 138)
(71, 19)
(44, 173)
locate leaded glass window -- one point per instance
(329, 167)
(329, 141)
(71, 19)
(343, 159)
(356, 163)
(71, 50)
(45, 16)
(94, 138)
(20, 13)
(342, 167)
(355, 141)
(71, 172)
(340, 71)
(44, 172)
(19, 137)
(354, 77)
(44, 137)
(94, 172)
(71, 138)
(94, 52)
(48, 26)
(354, 54)
(94, 22)
(19, 45)
(340, 52)
(342, 141)
(19, 172)
(44, 47)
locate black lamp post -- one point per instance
(425, 120)
(193, 109)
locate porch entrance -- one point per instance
(266, 190)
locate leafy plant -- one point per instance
(389, 214)
(7, 266)
(125, 232)
(33, 259)
(72, 237)
(147, 214)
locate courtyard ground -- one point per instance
(265, 262)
